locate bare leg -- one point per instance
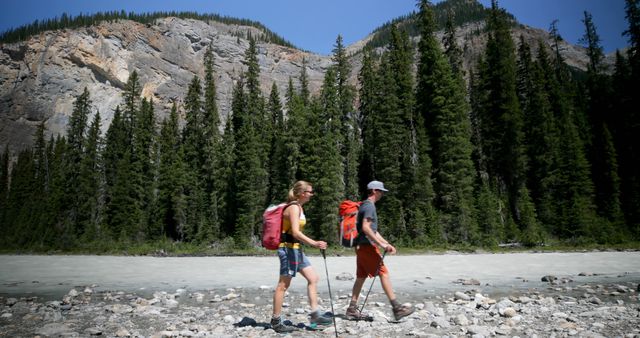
(357, 287)
(278, 295)
(312, 286)
(386, 286)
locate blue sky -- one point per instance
(314, 25)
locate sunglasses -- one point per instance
(311, 192)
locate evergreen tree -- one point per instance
(211, 149)
(76, 142)
(367, 123)
(602, 151)
(4, 189)
(441, 99)
(193, 142)
(501, 122)
(541, 134)
(172, 208)
(390, 138)
(451, 48)
(305, 94)
(629, 145)
(90, 184)
(320, 159)
(250, 153)
(143, 183)
(20, 204)
(349, 136)
(278, 178)
(573, 193)
(295, 130)
(125, 209)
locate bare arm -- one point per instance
(294, 219)
(375, 237)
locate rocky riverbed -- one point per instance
(564, 308)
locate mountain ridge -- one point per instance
(41, 76)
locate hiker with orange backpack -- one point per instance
(293, 259)
(369, 261)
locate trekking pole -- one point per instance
(333, 314)
(374, 280)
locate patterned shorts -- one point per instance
(292, 261)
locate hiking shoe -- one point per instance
(354, 314)
(278, 326)
(318, 319)
(402, 311)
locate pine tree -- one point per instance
(541, 134)
(629, 145)
(124, 167)
(4, 189)
(349, 132)
(193, 142)
(451, 48)
(441, 98)
(278, 179)
(320, 159)
(390, 138)
(501, 122)
(211, 149)
(367, 123)
(295, 130)
(144, 167)
(250, 153)
(90, 184)
(172, 208)
(602, 151)
(76, 142)
(23, 188)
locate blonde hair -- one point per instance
(297, 190)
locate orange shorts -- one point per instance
(368, 260)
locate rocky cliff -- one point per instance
(40, 78)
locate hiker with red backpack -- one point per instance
(293, 259)
(369, 261)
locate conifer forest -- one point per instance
(519, 149)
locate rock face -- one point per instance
(40, 78)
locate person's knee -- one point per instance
(283, 285)
(314, 280)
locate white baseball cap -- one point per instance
(376, 185)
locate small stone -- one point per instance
(509, 312)
(461, 320)
(93, 331)
(230, 296)
(345, 276)
(461, 296)
(471, 282)
(549, 278)
(229, 319)
(122, 332)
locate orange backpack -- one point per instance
(348, 212)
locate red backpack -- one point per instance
(272, 225)
(348, 215)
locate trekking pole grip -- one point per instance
(323, 253)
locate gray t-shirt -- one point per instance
(367, 210)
